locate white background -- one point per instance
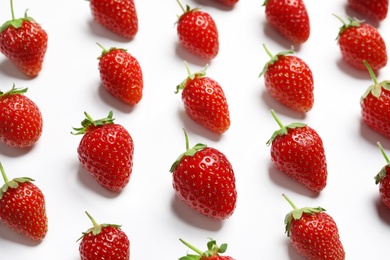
(147, 208)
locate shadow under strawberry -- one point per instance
(7, 68)
(276, 37)
(382, 211)
(183, 54)
(370, 135)
(281, 108)
(10, 235)
(14, 151)
(113, 102)
(98, 30)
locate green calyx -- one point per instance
(188, 152)
(274, 58)
(265, 2)
(88, 122)
(296, 214)
(212, 250)
(97, 228)
(105, 51)
(186, 9)
(198, 74)
(352, 22)
(14, 183)
(16, 23)
(376, 88)
(283, 129)
(13, 91)
(378, 178)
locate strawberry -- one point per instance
(297, 150)
(383, 179)
(121, 75)
(24, 42)
(228, 2)
(290, 19)
(204, 101)
(374, 9)
(375, 105)
(203, 179)
(313, 233)
(198, 33)
(23, 207)
(213, 252)
(106, 151)
(360, 41)
(20, 119)
(118, 16)
(104, 241)
(289, 80)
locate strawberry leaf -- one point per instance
(16, 23)
(88, 122)
(96, 229)
(212, 250)
(190, 76)
(382, 172)
(274, 58)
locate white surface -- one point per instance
(147, 208)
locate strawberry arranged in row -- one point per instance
(375, 104)
(106, 151)
(213, 252)
(297, 150)
(21, 120)
(118, 16)
(383, 179)
(104, 241)
(198, 32)
(374, 9)
(290, 20)
(360, 41)
(121, 75)
(289, 80)
(23, 207)
(205, 101)
(24, 42)
(203, 179)
(313, 233)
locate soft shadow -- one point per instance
(274, 35)
(189, 57)
(214, 4)
(292, 252)
(10, 69)
(10, 235)
(286, 182)
(371, 136)
(113, 101)
(351, 71)
(11, 151)
(352, 13)
(100, 31)
(194, 218)
(280, 108)
(90, 183)
(382, 210)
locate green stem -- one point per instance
(191, 247)
(372, 74)
(277, 119)
(91, 218)
(267, 51)
(187, 142)
(289, 201)
(383, 152)
(3, 173)
(12, 10)
(181, 6)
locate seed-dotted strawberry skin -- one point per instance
(384, 188)
(23, 210)
(374, 9)
(206, 183)
(21, 121)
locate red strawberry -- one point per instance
(289, 18)
(106, 151)
(198, 32)
(104, 241)
(313, 233)
(374, 9)
(383, 179)
(20, 119)
(118, 16)
(228, 2)
(289, 80)
(375, 105)
(121, 75)
(23, 207)
(24, 42)
(203, 178)
(297, 150)
(213, 252)
(360, 41)
(204, 101)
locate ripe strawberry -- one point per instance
(360, 41)
(23, 207)
(375, 105)
(290, 20)
(228, 2)
(383, 179)
(213, 252)
(106, 151)
(104, 241)
(24, 42)
(297, 150)
(374, 9)
(121, 75)
(204, 101)
(118, 16)
(203, 178)
(198, 32)
(313, 233)
(20, 119)
(289, 80)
